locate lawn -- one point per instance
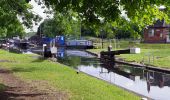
(158, 57)
(159, 54)
(63, 78)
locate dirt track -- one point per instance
(16, 89)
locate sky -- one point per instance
(38, 11)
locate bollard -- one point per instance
(43, 53)
(109, 48)
(7, 46)
(53, 51)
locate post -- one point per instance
(102, 40)
(53, 48)
(44, 49)
(40, 31)
(8, 46)
(109, 48)
(115, 43)
(101, 34)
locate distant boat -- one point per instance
(83, 44)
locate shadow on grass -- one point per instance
(20, 69)
(2, 87)
(29, 69)
(5, 71)
(10, 93)
(15, 51)
(39, 59)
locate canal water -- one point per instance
(151, 84)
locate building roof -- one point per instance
(160, 24)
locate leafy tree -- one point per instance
(11, 12)
(122, 34)
(92, 13)
(141, 12)
(61, 24)
(86, 31)
(15, 30)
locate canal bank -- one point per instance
(140, 95)
(156, 79)
(62, 78)
(147, 83)
(87, 54)
(122, 60)
(136, 80)
(147, 67)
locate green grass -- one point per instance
(160, 52)
(78, 86)
(159, 57)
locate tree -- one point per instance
(97, 14)
(61, 24)
(86, 31)
(15, 30)
(14, 13)
(92, 13)
(140, 12)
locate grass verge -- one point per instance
(159, 54)
(78, 86)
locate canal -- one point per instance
(148, 83)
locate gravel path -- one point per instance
(16, 89)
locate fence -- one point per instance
(115, 43)
(148, 58)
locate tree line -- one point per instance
(94, 14)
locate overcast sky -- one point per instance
(37, 10)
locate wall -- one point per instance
(156, 38)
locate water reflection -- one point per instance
(148, 83)
(75, 61)
(157, 79)
(60, 52)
